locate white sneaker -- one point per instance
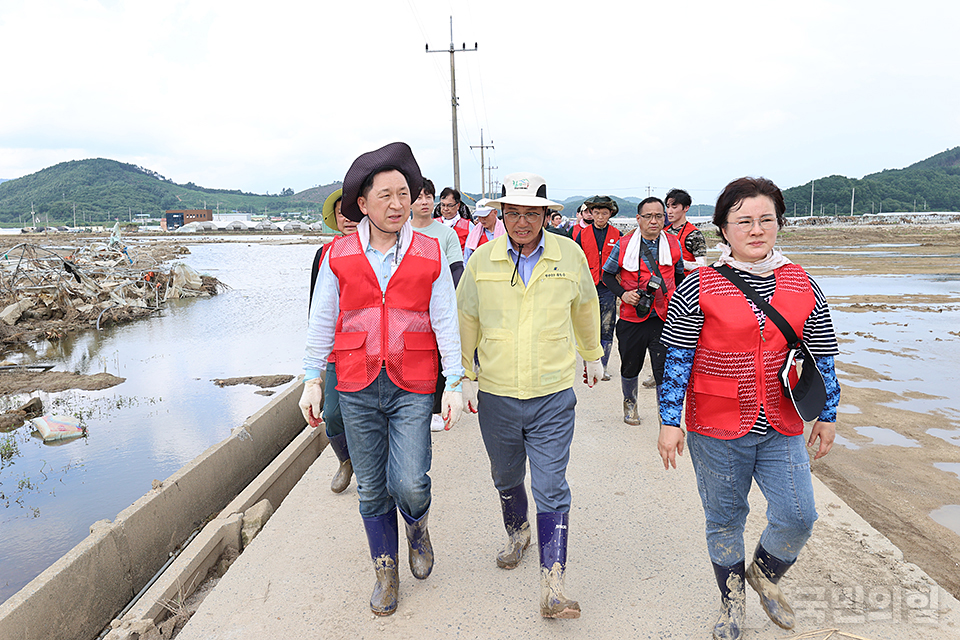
(436, 423)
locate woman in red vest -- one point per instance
(724, 354)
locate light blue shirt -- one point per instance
(527, 263)
(326, 310)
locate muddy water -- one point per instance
(896, 307)
(166, 412)
(900, 342)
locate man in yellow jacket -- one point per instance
(527, 304)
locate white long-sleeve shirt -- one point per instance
(326, 310)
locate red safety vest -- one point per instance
(735, 367)
(463, 230)
(596, 257)
(389, 328)
(630, 280)
(681, 236)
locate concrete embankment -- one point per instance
(637, 557)
(82, 592)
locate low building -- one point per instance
(176, 218)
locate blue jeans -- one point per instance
(332, 415)
(608, 313)
(388, 433)
(725, 468)
(540, 429)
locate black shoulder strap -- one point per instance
(727, 272)
(651, 261)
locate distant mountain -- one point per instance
(102, 190)
(929, 185)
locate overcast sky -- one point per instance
(598, 97)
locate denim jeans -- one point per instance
(332, 415)
(608, 313)
(388, 433)
(781, 466)
(540, 429)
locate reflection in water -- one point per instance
(949, 467)
(950, 435)
(886, 437)
(166, 412)
(838, 439)
(948, 516)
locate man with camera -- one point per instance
(643, 270)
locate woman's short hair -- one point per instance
(737, 191)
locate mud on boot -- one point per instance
(383, 537)
(341, 479)
(733, 602)
(763, 574)
(420, 549)
(513, 504)
(517, 542)
(552, 537)
(630, 415)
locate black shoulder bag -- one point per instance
(809, 394)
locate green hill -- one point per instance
(103, 190)
(929, 185)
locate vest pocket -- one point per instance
(420, 355)
(717, 401)
(351, 356)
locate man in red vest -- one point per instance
(597, 240)
(650, 266)
(385, 306)
(692, 243)
(453, 212)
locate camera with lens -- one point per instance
(646, 296)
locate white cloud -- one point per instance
(596, 97)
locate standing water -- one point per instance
(167, 411)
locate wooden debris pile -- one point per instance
(46, 292)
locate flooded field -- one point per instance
(166, 412)
(894, 292)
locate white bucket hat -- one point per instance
(526, 190)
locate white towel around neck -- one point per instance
(631, 259)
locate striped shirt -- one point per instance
(685, 320)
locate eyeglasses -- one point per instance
(746, 224)
(514, 216)
(444, 205)
(653, 216)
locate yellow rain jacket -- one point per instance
(526, 335)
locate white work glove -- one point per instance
(592, 372)
(470, 402)
(451, 406)
(311, 401)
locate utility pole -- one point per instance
(481, 146)
(853, 192)
(490, 169)
(812, 183)
(453, 100)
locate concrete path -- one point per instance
(637, 557)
